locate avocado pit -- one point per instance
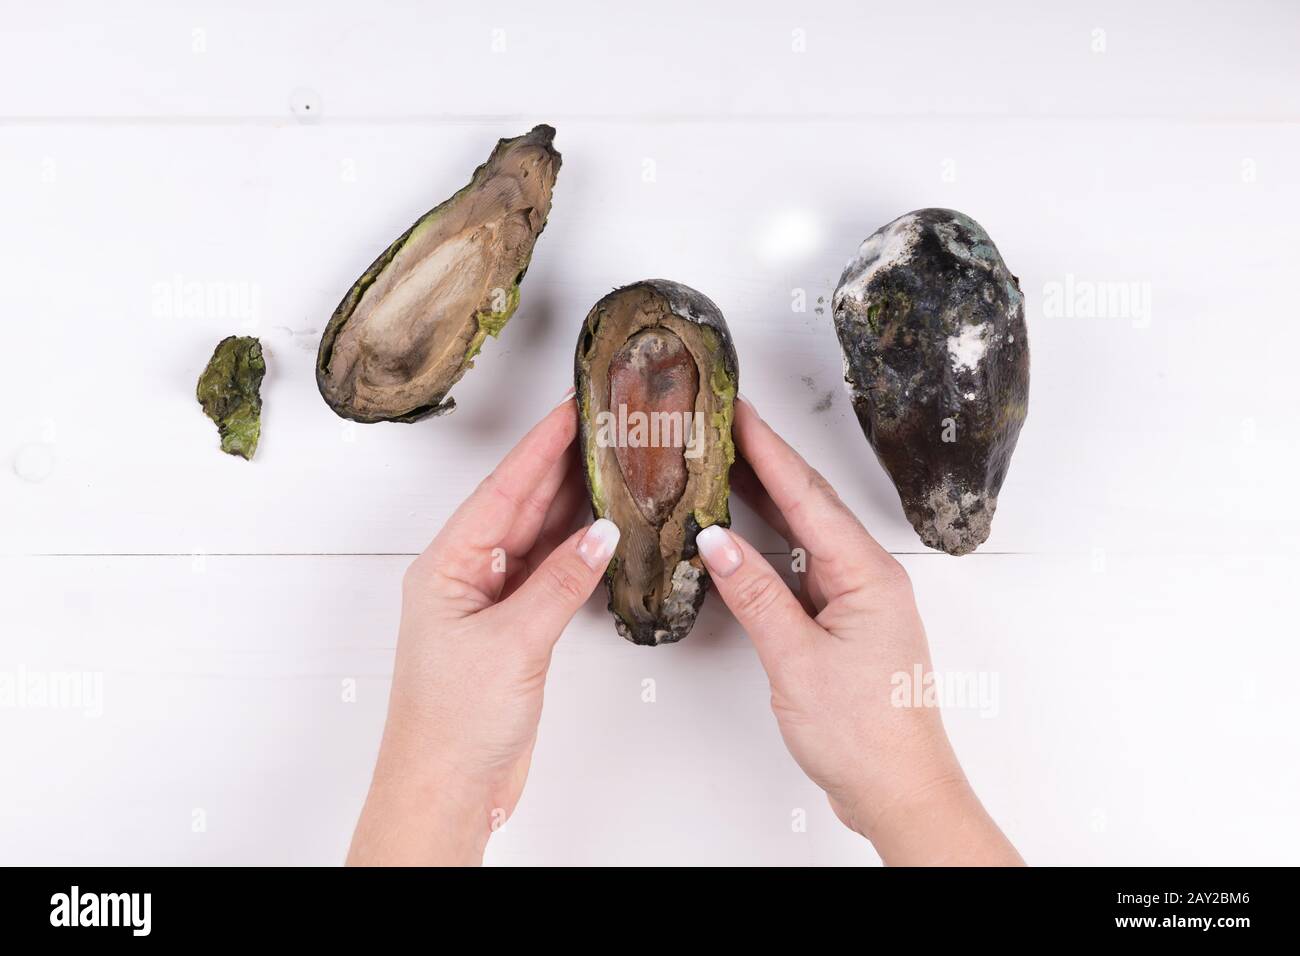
(653, 382)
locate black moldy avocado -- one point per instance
(410, 327)
(230, 392)
(936, 356)
(656, 378)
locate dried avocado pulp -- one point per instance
(656, 378)
(410, 327)
(936, 356)
(230, 391)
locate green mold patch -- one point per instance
(491, 323)
(723, 384)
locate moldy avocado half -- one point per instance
(656, 356)
(410, 327)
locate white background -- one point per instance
(1136, 601)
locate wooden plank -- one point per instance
(1151, 429)
(844, 57)
(1125, 702)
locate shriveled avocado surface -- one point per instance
(410, 327)
(230, 392)
(656, 378)
(936, 356)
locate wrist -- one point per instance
(422, 814)
(939, 823)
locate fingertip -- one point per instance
(756, 594)
(597, 544)
(753, 434)
(746, 413)
(560, 422)
(720, 551)
(566, 410)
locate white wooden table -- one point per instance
(184, 171)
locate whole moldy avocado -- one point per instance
(936, 357)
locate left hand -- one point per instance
(482, 608)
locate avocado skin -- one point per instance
(936, 358)
(230, 391)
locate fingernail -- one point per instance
(745, 399)
(567, 395)
(719, 550)
(598, 544)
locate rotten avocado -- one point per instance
(410, 327)
(936, 357)
(656, 378)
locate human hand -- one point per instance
(482, 608)
(889, 771)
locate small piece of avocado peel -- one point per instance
(230, 392)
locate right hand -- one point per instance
(889, 771)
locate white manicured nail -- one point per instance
(598, 544)
(719, 550)
(567, 395)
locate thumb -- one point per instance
(761, 601)
(545, 603)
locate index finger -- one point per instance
(814, 512)
(519, 487)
